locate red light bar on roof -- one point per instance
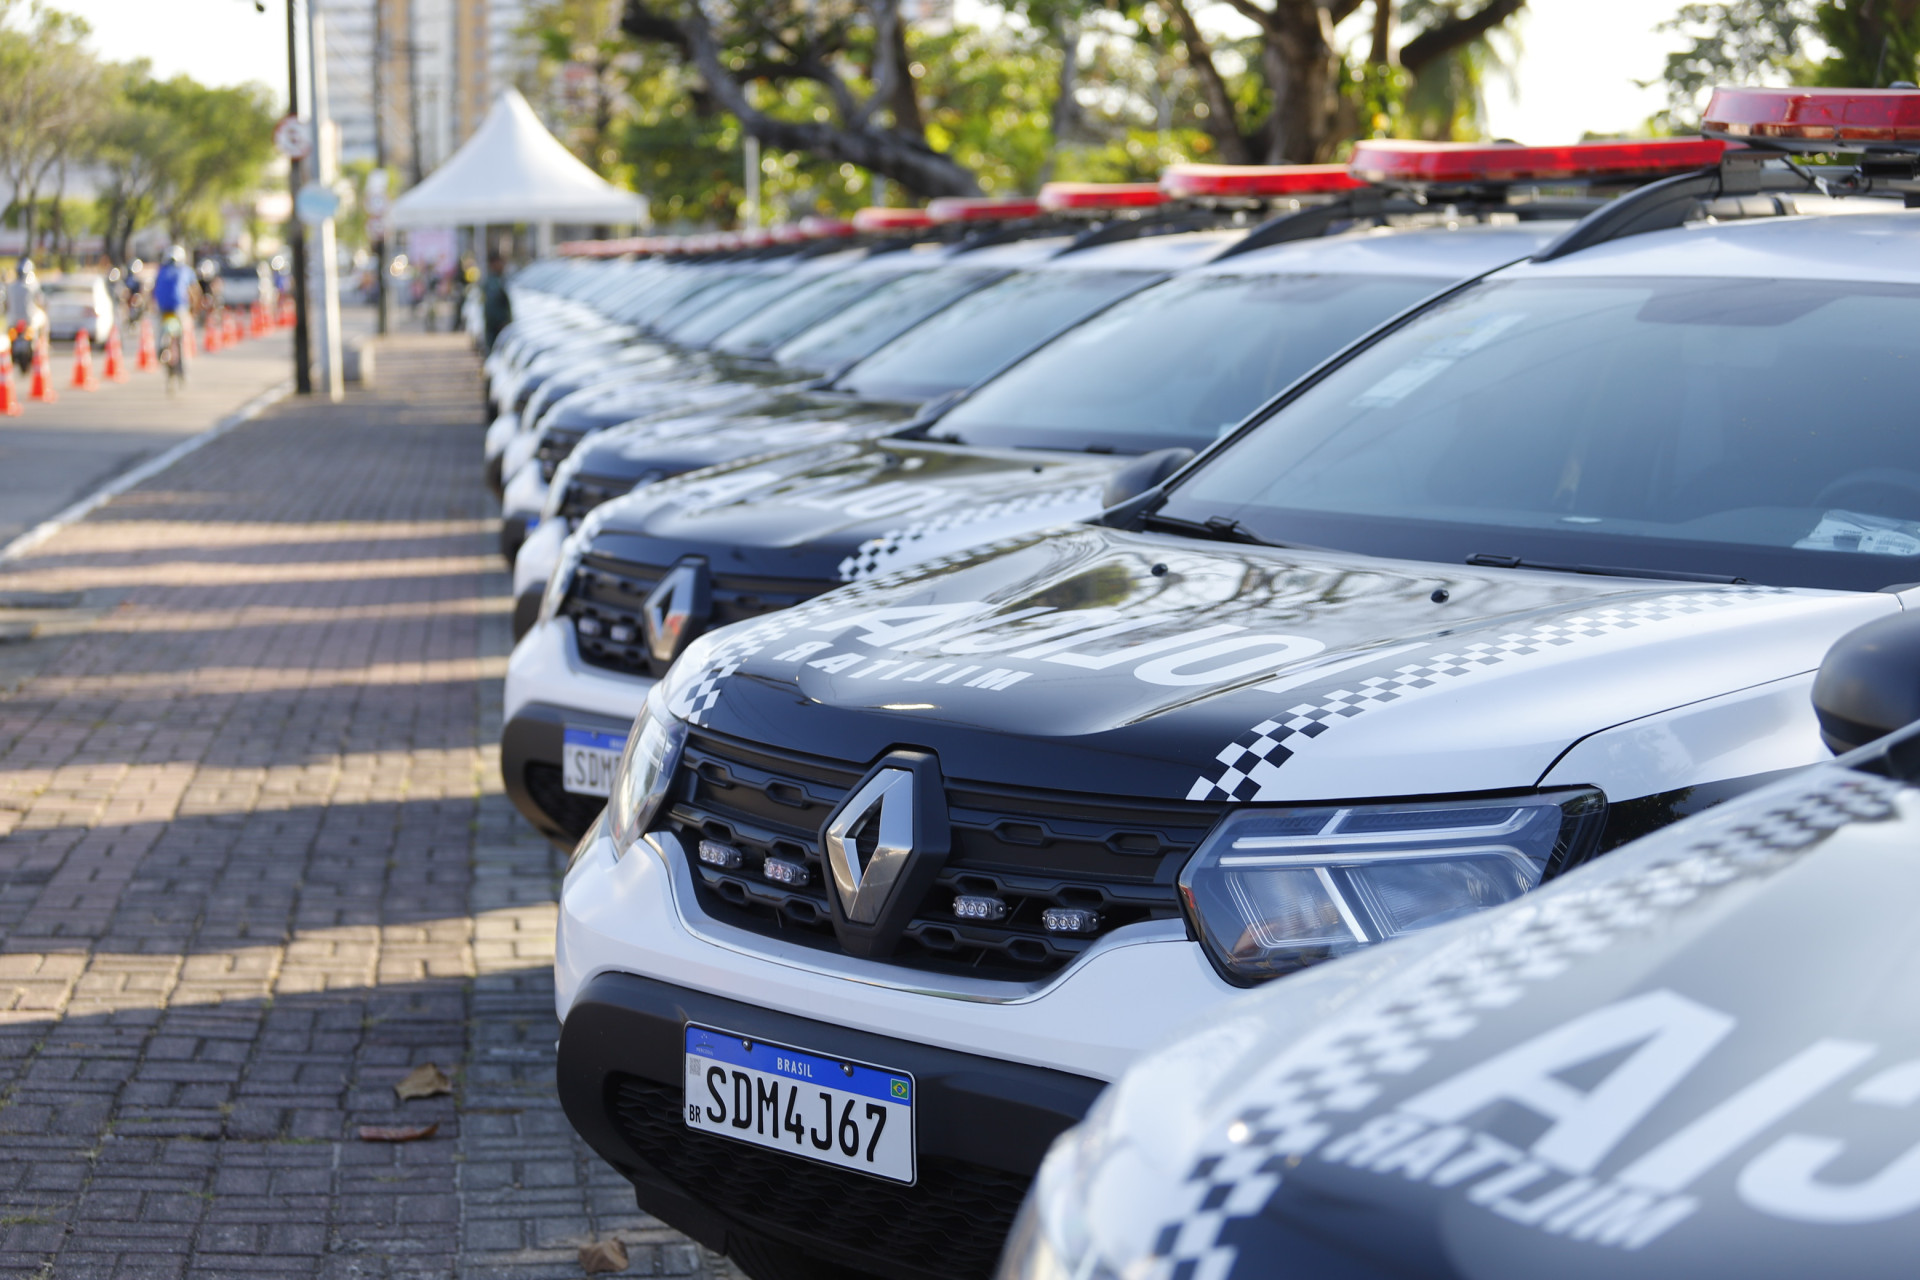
(1063, 197)
(878, 218)
(1799, 118)
(1254, 181)
(981, 208)
(1425, 163)
(815, 227)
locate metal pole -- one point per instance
(752, 149)
(326, 174)
(297, 233)
(379, 158)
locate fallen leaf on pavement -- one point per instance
(397, 1132)
(424, 1081)
(603, 1257)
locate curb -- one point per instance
(145, 471)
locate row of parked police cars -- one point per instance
(973, 649)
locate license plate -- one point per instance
(589, 759)
(838, 1112)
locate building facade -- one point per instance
(410, 80)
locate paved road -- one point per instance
(53, 454)
(255, 866)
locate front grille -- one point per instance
(1030, 850)
(573, 814)
(555, 444)
(607, 596)
(951, 1222)
(585, 492)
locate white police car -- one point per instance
(1537, 566)
(903, 298)
(1118, 401)
(1696, 1057)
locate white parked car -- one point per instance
(77, 304)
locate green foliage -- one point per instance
(1873, 44)
(1733, 42)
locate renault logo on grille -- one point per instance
(676, 610)
(880, 815)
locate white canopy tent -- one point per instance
(513, 171)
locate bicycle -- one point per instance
(173, 357)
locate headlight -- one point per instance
(562, 580)
(653, 750)
(1273, 889)
(557, 487)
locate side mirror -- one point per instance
(1869, 683)
(1144, 472)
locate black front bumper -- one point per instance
(982, 1125)
(532, 760)
(513, 532)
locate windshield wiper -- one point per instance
(1217, 528)
(1602, 570)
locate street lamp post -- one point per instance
(296, 232)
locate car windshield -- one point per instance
(703, 326)
(1178, 364)
(979, 334)
(881, 316)
(800, 311)
(1754, 429)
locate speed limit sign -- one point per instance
(293, 138)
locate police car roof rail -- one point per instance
(1376, 205)
(1765, 129)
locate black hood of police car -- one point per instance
(601, 402)
(771, 421)
(1094, 660)
(1697, 1056)
(845, 510)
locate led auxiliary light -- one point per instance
(1816, 119)
(1394, 163)
(1092, 197)
(1271, 890)
(879, 218)
(982, 209)
(1254, 181)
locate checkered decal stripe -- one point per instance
(876, 555)
(1253, 759)
(1343, 1065)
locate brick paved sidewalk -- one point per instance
(255, 865)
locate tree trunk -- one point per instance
(1302, 72)
(905, 105)
(1223, 121)
(916, 167)
(1380, 53)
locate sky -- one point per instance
(1580, 57)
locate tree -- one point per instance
(1301, 113)
(853, 51)
(1869, 44)
(49, 101)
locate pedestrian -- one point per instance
(496, 307)
(26, 302)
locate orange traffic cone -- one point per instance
(147, 357)
(115, 372)
(211, 343)
(231, 338)
(259, 320)
(9, 401)
(83, 363)
(40, 389)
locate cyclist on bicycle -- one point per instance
(173, 297)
